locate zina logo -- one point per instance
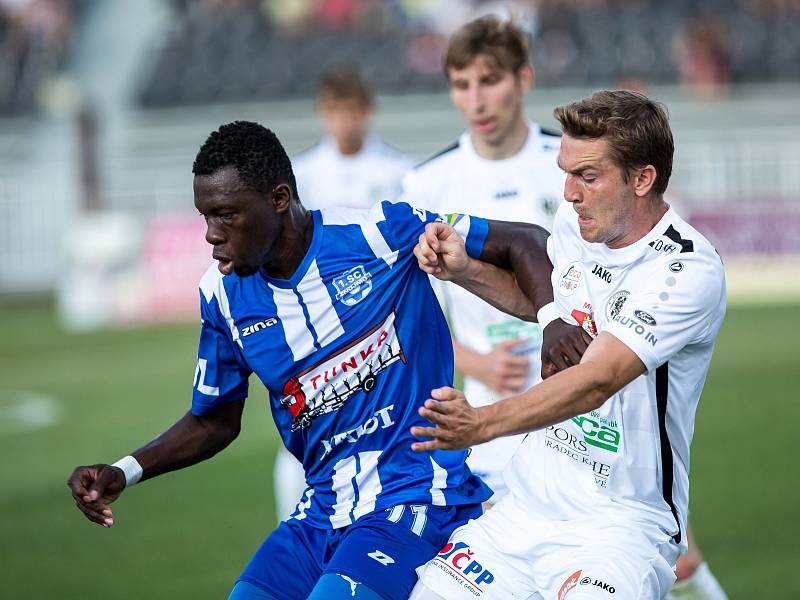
(256, 327)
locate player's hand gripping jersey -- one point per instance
(664, 297)
(348, 348)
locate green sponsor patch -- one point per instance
(599, 431)
(514, 330)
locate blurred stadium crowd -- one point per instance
(230, 50)
(34, 40)
(236, 49)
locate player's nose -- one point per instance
(213, 233)
(571, 189)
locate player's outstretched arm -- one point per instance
(513, 273)
(607, 366)
(190, 440)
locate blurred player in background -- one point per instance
(503, 167)
(599, 498)
(349, 167)
(330, 310)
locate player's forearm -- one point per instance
(573, 392)
(192, 439)
(498, 287)
(519, 250)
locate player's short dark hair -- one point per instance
(344, 82)
(502, 43)
(636, 128)
(255, 152)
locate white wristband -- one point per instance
(132, 469)
(547, 314)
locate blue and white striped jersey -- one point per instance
(348, 348)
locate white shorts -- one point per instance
(510, 554)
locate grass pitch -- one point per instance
(69, 399)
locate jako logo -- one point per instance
(597, 583)
(256, 327)
(570, 583)
(460, 557)
(602, 273)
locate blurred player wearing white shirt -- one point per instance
(349, 167)
(599, 488)
(503, 167)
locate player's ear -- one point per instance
(643, 180)
(281, 197)
(525, 77)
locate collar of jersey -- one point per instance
(311, 254)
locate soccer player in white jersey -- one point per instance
(349, 167)
(599, 488)
(332, 313)
(503, 167)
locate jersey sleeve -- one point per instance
(221, 375)
(404, 223)
(678, 304)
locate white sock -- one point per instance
(702, 585)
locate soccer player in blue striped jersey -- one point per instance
(330, 310)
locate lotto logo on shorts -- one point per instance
(459, 562)
(570, 583)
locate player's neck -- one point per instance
(510, 145)
(652, 212)
(292, 246)
(349, 147)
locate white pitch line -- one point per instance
(22, 412)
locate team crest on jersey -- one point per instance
(570, 279)
(353, 285)
(615, 304)
(325, 386)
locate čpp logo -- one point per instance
(459, 556)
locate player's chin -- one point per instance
(243, 270)
(589, 233)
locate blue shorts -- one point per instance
(381, 550)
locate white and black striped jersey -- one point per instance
(664, 297)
